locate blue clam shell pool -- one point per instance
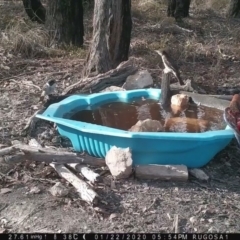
(190, 149)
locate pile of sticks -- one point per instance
(67, 164)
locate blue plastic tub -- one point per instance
(190, 149)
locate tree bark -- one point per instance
(112, 25)
(165, 97)
(114, 77)
(234, 8)
(65, 21)
(178, 8)
(35, 10)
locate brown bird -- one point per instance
(170, 65)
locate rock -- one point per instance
(35, 190)
(141, 79)
(113, 89)
(58, 190)
(5, 190)
(5, 167)
(193, 219)
(16, 142)
(119, 162)
(199, 174)
(56, 139)
(34, 143)
(179, 124)
(162, 172)
(147, 125)
(46, 135)
(180, 100)
(112, 216)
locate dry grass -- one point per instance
(29, 41)
(21, 36)
(195, 47)
(214, 204)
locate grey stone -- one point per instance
(113, 89)
(141, 79)
(58, 190)
(147, 125)
(199, 174)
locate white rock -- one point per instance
(5, 190)
(147, 125)
(35, 190)
(58, 190)
(113, 89)
(199, 174)
(119, 162)
(180, 100)
(139, 80)
(34, 143)
(193, 219)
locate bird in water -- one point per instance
(170, 65)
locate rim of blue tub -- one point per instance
(55, 113)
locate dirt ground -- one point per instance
(28, 60)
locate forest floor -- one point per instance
(27, 62)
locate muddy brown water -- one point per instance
(123, 116)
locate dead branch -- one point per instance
(189, 86)
(86, 172)
(31, 121)
(47, 155)
(25, 83)
(175, 223)
(84, 190)
(183, 29)
(113, 77)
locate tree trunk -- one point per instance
(178, 8)
(112, 25)
(35, 10)
(234, 8)
(65, 21)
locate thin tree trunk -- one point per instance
(65, 21)
(178, 8)
(234, 8)
(35, 10)
(112, 25)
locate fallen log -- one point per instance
(47, 155)
(85, 191)
(86, 172)
(97, 83)
(162, 172)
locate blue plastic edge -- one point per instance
(55, 112)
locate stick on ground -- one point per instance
(85, 191)
(86, 172)
(47, 155)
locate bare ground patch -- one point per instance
(132, 206)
